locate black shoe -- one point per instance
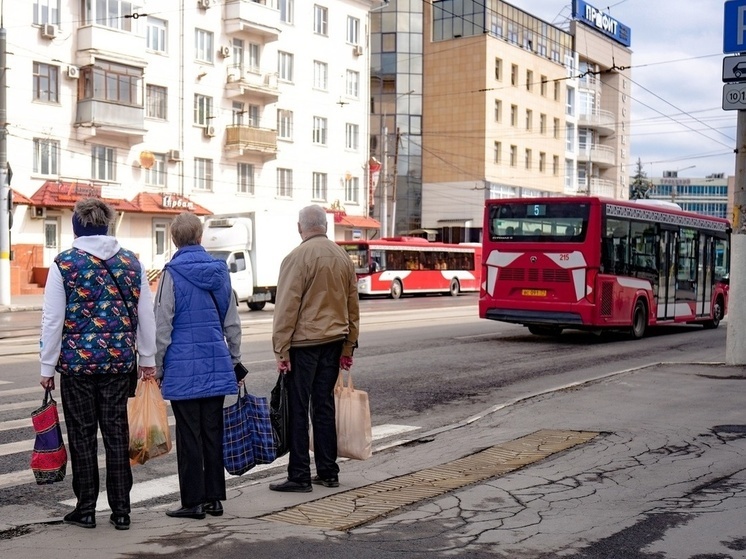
(291, 487)
(196, 512)
(75, 517)
(120, 521)
(214, 508)
(326, 481)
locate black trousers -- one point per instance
(311, 380)
(199, 449)
(91, 402)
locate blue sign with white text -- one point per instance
(734, 28)
(595, 18)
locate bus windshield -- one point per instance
(540, 221)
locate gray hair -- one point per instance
(94, 212)
(186, 229)
(312, 218)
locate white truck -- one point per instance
(253, 245)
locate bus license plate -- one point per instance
(534, 292)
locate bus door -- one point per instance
(686, 273)
(704, 274)
(667, 274)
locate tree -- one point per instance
(640, 186)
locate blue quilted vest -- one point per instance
(97, 335)
(197, 363)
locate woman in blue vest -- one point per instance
(198, 337)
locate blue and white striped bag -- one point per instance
(247, 434)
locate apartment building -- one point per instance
(515, 106)
(711, 195)
(164, 106)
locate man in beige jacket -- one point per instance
(315, 331)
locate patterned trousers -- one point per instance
(91, 402)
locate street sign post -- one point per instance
(734, 96)
(734, 29)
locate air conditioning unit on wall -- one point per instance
(209, 131)
(174, 155)
(49, 31)
(73, 72)
(357, 50)
(38, 212)
(204, 4)
(225, 52)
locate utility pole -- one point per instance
(5, 204)
(384, 182)
(393, 184)
(735, 349)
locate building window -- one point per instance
(319, 130)
(513, 156)
(497, 153)
(353, 30)
(156, 34)
(570, 137)
(555, 165)
(285, 66)
(542, 161)
(352, 189)
(156, 175)
(252, 61)
(556, 132)
(543, 86)
(352, 134)
(352, 84)
(284, 124)
(499, 69)
(111, 82)
(285, 183)
(570, 102)
(202, 110)
(46, 11)
(543, 123)
(320, 75)
(245, 172)
(286, 11)
(155, 101)
(556, 91)
(498, 110)
(320, 20)
(103, 163)
(116, 14)
(319, 187)
(514, 115)
(529, 119)
(46, 82)
(513, 74)
(203, 45)
(529, 80)
(202, 174)
(46, 157)
(528, 159)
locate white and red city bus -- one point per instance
(593, 264)
(407, 265)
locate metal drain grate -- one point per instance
(348, 509)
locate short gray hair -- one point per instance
(312, 218)
(186, 229)
(94, 212)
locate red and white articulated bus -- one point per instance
(407, 265)
(598, 264)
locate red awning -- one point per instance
(167, 203)
(358, 222)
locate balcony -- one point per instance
(100, 118)
(253, 18)
(252, 82)
(604, 121)
(596, 187)
(241, 139)
(113, 44)
(600, 156)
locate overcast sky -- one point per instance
(677, 65)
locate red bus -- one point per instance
(406, 265)
(593, 264)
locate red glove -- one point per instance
(345, 362)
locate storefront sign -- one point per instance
(601, 22)
(176, 202)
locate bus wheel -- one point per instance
(545, 330)
(396, 289)
(639, 320)
(717, 315)
(257, 306)
(455, 288)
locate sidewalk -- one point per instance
(23, 303)
(655, 453)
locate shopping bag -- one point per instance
(280, 416)
(150, 435)
(238, 450)
(257, 411)
(49, 457)
(354, 431)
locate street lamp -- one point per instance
(384, 171)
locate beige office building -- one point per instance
(515, 106)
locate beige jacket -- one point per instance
(317, 300)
